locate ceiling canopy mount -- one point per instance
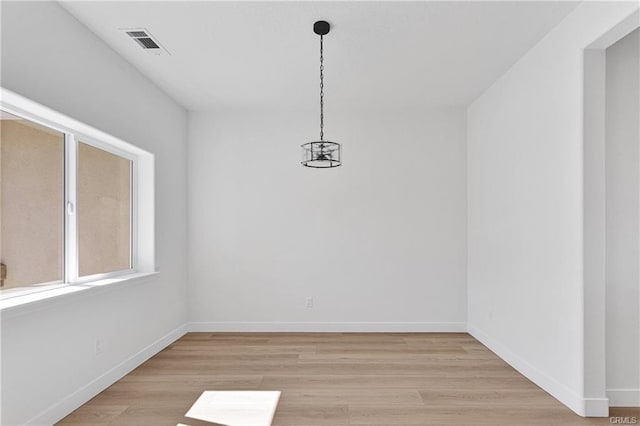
(321, 28)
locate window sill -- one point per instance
(60, 293)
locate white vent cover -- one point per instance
(145, 40)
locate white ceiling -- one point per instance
(378, 54)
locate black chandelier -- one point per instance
(321, 154)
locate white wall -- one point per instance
(525, 221)
(379, 243)
(48, 353)
(622, 216)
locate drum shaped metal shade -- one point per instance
(321, 154)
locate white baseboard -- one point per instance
(346, 327)
(63, 408)
(624, 397)
(586, 407)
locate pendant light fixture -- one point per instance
(321, 154)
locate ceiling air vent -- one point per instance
(146, 43)
(145, 40)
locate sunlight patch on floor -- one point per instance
(236, 408)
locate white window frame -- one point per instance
(72, 264)
(142, 251)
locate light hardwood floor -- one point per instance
(334, 379)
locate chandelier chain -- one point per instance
(321, 90)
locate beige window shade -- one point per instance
(104, 211)
(32, 206)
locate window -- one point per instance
(32, 207)
(69, 197)
(104, 211)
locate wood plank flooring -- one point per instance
(334, 379)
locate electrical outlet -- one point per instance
(309, 302)
(99, 347)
